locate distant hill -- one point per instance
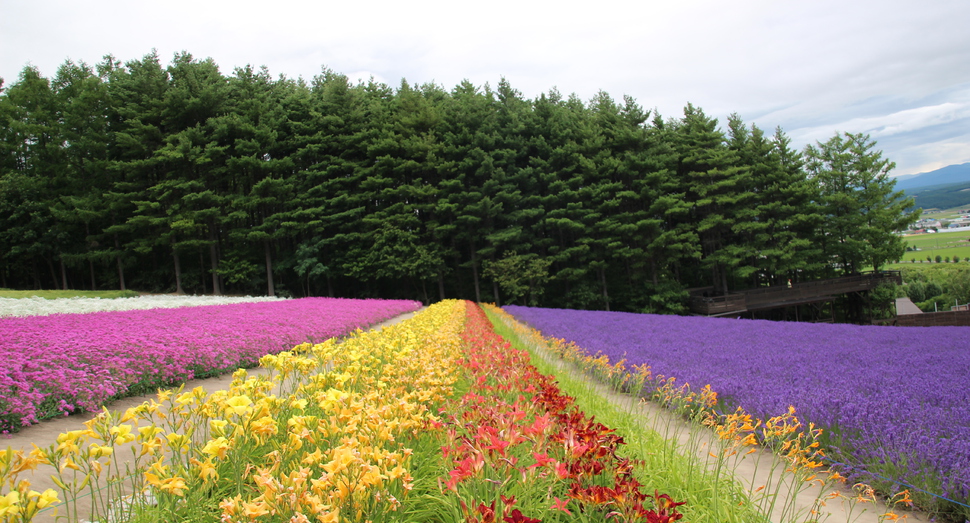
(945, 196)
(948, 175)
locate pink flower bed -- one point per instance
(53, 365)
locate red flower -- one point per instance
(517, 517)
(666, 509)
(541, 460)
(487, 512)
(560, 504)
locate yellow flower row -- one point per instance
(324, 437)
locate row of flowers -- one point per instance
(37, 306)
(521, 451)
(796, 442)
(55, 365)
(327, 436)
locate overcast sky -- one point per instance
(897, 70)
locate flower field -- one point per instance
(515, 440)
(894, 402)
(433, 419)
(35, 306)
(56, 364)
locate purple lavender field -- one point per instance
(897, 399)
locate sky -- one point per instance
(896, 70)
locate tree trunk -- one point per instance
(214, 261)
(724, 282)
(498, 302)
(441, 285)
(270, 288)
(178, 272)
(50, 266)
(94, 287)
(202, 269)
(87, 232)
(606, 296)
(478, 288)
(121, 268)
(458, 281)
(63, 274)
(714, 279)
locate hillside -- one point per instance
(942, 196)
(948, 175)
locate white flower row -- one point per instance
(35, 306)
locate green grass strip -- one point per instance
(54, 294)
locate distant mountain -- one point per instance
(948, 175)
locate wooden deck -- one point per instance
(784, 296)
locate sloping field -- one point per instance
(944, 244)
(434, 419)
(895, 402)
(56, 364)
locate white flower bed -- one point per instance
(35, 306)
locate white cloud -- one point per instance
(928, 157)
(905, 121)
(810, 67)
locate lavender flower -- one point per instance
(895, 400)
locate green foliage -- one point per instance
(181, 178)
(939, 286)
(236, 270)
(54, 294)
(520, 276)
(882, 300)
(667, 297)
(861, 207)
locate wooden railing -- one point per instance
(818, 288)
(714, 305)
(779, 296)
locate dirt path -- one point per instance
(46, 432)
(762, 467)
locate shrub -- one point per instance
(916, 291)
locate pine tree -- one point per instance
(862, 211)
(716, 181)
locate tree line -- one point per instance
(179, 178)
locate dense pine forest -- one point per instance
(180, 178)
